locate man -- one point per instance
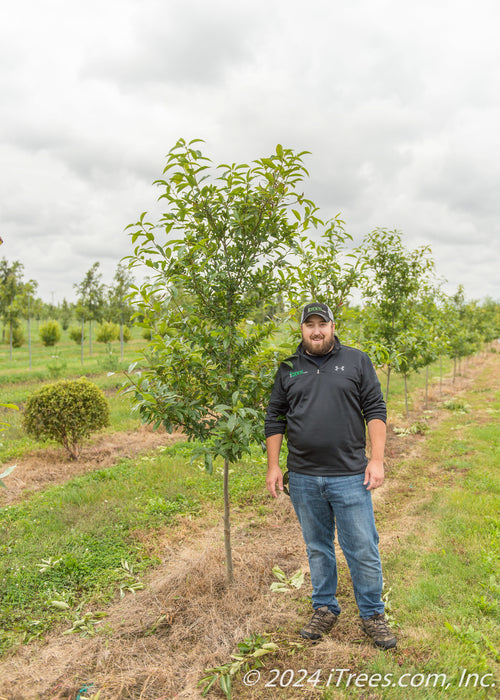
(323, 397)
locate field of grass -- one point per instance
(72, 550)
(64, 361)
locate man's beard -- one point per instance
(319, 348)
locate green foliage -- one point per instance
(119, 309)
(75, 333)
(18, 338)
(284, 582)
(221, 254)
(207, 369)
(463, 336)
(50, 333)
(86, 541)
(248, 656)
(456, 405)
(56, 365)
(396, 282)
(325, 271)
(67, 411)
(15, 299)
(65, 313)
(3, 425)
(107, 332)
(90, 293)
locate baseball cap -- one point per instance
(318, 309)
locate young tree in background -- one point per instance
(218, 253)
(90, 299)
(14, 299)
(11, 275)
(325, 271)
(395, 281)
(65, 314)
(463, 337)
(120, 311)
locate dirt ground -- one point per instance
(155, 644)
(46, 467)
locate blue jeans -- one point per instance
(321, 502)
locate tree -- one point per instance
(11, 276)
(90, 300)
(65, 314)
(325, 271)
(463, 338)
(217, 254)
(15, 298)
(119, 310)
(394, 282)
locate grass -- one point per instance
(86, 527)
(18, 381)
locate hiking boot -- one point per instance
(320, 623)
(377, 628)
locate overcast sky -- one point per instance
(398, 102)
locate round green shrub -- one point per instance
(67, 411)
(107, 332)
(75, 333)
(50, 333)
(17, 337)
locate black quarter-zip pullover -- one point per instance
(324, 410)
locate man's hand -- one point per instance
(374, 474)
(274, 479)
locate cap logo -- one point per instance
(316, 308)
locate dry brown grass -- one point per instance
(48, 466)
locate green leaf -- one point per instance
(209, 465)
(279, 573)
(5, 473)
(225, 684)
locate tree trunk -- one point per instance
(406, 395)
(387, 383)
(121, 337)
(83, 334)
(227, 525)
(29, 337)
(426, 386)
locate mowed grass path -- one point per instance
(443, 565)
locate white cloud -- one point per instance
(398, 104)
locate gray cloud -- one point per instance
(398, 105)
(178, 44)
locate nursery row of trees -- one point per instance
(95, 302)
(236, 254)
(238, 251)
